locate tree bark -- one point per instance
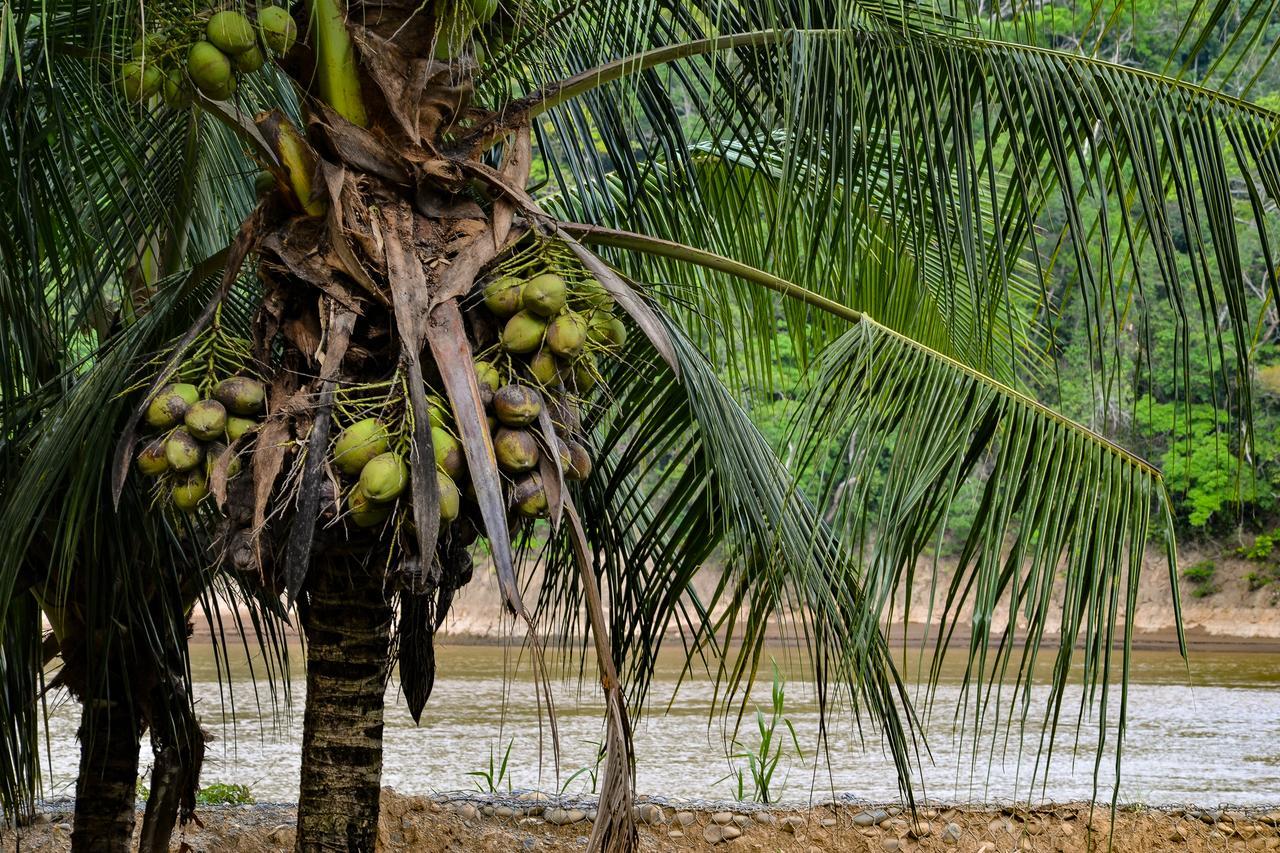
(106, 788)
(346, 619)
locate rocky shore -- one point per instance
(532, 821)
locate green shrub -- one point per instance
(223, 794)
(1201, 576)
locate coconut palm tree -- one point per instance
(869, 178)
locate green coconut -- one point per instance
(263, 183)
(182, 451)
(567, 334)
(148, 45)
(607, 330)
(579, 467)
(438, 411)
(140, 80)
(189, 491)
(523, 333)
(384, 478)
(359, 443)
(502, 296)
(592, 293)
(484, 9)
(545, 294)
(489, 380)
(450, 497)
(451, 38)
(585, 373)
(529, 496)
(545, 368)
(169, 406)
(241, 395)
(516, 450)
(364, 512)
(448, 453)
(206, 420)
(213, 454)
(176, 91)
(516, 405)
(151, 459)
(231, 32)
(210, 69)
(249, 61)
(278, 28)
(237, 427)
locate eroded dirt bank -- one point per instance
(530, 823)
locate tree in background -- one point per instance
(437, 347)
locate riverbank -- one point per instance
(530, 822)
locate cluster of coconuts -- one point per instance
(363, 452)
(455, 22)
(194, 432)
(208, 57)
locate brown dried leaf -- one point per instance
(516, 161)
(337, 182)
(357, 147)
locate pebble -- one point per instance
(764, 818)
(488, 811)
(651, 814)
(1272, 818)
(792, 823)
(1000, 825)
(951, 833)
(686, 818)
(985, 847)
(562, 817)
(865, 819)
(592, 814)
(675, 833)
(742, 820)
(828, 821)
(921, 829)
(505, 812)
(466, 811)
(716, 832)
(890, 844)
(1033, 827)
(722, 818)
(1210, 816)
(282, 834)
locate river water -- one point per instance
(1207, 734)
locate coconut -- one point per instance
(585, 373)
(359, 443)
(516, 405)
(249, 61)
(448, 452)
(592, 293)
(579, 467)
(241, 395)
(151, 459)
(567, 334)
(484, 9)
(214, 453)
(523, 333)
(176, 91)
(148, 45)
(438, 411)
(183, 452)
(206, 420)
(230, 32)
(140, 80)
(492, 422)
(210, 69)
(237, 427)
(544, 294)
(515, 449)
(188, 491)
(502, 296)
(450, 497)
(451, 38)
(545, 368)
(489, 380)
(607, 330)
(263, 182)
(384, 477)
(529, 497)
(278, 28)
(364, 512)
(166, 408)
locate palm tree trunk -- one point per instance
(106, 788)
(346, 618)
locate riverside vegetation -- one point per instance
(317, 299)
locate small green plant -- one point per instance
(490, 781)
(223, 794)
(1201, 577)
(592, 772)
(763, 761)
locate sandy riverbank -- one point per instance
(469, 823)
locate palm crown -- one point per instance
(864, 181)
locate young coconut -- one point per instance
(210, 69)
(183, 452)
(230, 32)
(176, 91)
(502, 296)
(206, 420)
(516, 450)
(151, 459)
(278, 28)
(450, 497)
(489, 380)
(385, 477)
(188, 491)
(449, 458)
(237, 427)
(529, 497)
(263, 183)
(516, 405)
(484, 9)
(593, 294)
(607, 330)
(585, 373)
(567, 334)
(523, 333)
(438, 410)
(249, 61)
(579, 467)
(359, 443)
(545, 368)
(364, 512)
(213, 454)
(545, 294)
(140, 80)
(170, 405)
(240, 394)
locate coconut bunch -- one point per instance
(457, 22)
(194, 427)
(206, 53)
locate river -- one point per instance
(1207, 734)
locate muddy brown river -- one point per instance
(1208, 734)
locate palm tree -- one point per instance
(868, 177)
